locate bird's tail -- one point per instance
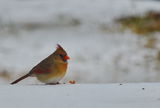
(21, 78)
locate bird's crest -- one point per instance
(60, 50)
(59, 46)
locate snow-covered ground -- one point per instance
(143, 95)
(30, 30)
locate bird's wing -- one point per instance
(43, 67)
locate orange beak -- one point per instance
(66, 57)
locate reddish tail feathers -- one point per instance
(21, 78)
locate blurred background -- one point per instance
(108, 41)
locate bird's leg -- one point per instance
(58, 83)
(53, 83)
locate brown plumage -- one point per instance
(51, 70)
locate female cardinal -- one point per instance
(51, 70)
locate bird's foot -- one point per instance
(53, 83)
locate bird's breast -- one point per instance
(56, 73)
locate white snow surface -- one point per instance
(142, 95)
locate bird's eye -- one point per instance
(61, 55)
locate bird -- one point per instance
(50, 70)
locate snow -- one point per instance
(140, 95)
